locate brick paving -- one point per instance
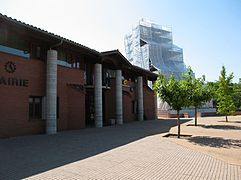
(214, 137)
(130, 151)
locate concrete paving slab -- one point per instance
(215, 137)
(130, 151)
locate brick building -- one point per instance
(49, 84)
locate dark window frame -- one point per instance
(35, 51)
(13, 39)
(89, 73)
(35, 108)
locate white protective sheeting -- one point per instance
(151, 45)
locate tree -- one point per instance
(173, 92)
(201, 95)
(237, 95)
(198, 92)
(224, 94)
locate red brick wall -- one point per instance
(14, 104)
(128, 97)
(149, 100)
(109, 95)
(71, 100)
(14, 99)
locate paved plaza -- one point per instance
(214, 136)
(135, 150)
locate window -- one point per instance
(4, 35)
(35, 51)
(88, 74)
(75, 62)
(105, 77)
(16, 41)
(68, 59)
(35, 107)
(61, 56)
(13, 43)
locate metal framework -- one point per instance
(150, 46)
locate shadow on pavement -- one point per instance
(215, 142)
(21, 157)
(230, 121)
(224, 127)
(196, 125)
(234, 121)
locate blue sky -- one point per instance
(209, 31)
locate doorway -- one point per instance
(89, 109)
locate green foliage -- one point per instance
(171, 91)
(237, 95)
(189, 91)
(212, 86)
(198, 92)
(224, 94)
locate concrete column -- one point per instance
(118, 96)
(51, 92)
(140, 113)
(44, 107)
(155, 106)
(98, 95)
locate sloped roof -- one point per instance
(153, 76)
(137, 69)
(52, 35)
(57, 37)
(116, 53)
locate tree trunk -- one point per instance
(178, 124)
(226, 118)
(195, 116)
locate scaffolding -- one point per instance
(150, 46)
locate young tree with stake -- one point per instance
(198, 92)
(174, 93)
(224, 94)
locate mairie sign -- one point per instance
(10, 67)
(13, 81)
